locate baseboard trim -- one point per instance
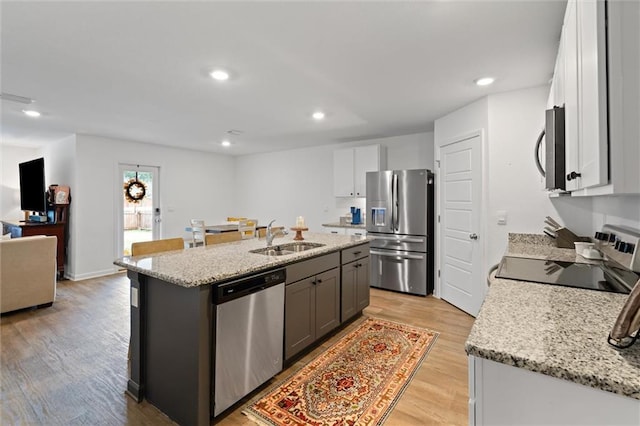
(89, 275)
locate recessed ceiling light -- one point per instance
(225, 143)
(31, 113)
(318, 115)
(485, 81)
(220, 75)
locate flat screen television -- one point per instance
(32, 188)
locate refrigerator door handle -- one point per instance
(393, 198)
(400, 256)
(394, 207)
(399, 239)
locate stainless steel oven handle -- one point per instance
(398, 240)
(401, 256)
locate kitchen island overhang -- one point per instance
(173, 318)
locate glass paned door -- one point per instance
(139, 206)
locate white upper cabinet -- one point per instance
(596, 79)
(343, 172)
(585, 94)
(623, 75)
(350, 167)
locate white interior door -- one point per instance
(461, 280)
(139, 220)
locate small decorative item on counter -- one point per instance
(299, 230)
(300, 222)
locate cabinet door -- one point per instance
(592, 101)
(327, 302)
(362, 284)
(570, 49)
(343, 172)
(299, 317)
(348, 297)
(360, 232)
(367, 159)
(336, 231)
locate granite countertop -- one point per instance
(557, 331)
(205, 265)
(347, 225)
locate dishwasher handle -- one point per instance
(232, 290)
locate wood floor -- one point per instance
(67, 364)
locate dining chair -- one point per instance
(262, 232)
(156, 246)
(247, 228)
(223, 237)
(198, 232)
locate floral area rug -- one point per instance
(355, 382)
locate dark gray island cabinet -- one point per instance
(173, 312)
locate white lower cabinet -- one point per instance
(333, 230)
(346, 231)
(500, 394)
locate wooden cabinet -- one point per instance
(350, 167)
(312, 302)
(355, 281)
(57, 230)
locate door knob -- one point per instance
(473, 236)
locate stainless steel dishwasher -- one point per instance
(249, 333)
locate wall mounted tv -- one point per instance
(32, 188)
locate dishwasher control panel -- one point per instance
(244, 286)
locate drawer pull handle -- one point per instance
(355, 253)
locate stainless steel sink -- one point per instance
(284, 249)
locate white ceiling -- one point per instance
(139, 70)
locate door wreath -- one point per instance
(135, 190)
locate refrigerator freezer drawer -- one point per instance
(399, 242)
(399, 271)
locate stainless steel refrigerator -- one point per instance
(400, 216)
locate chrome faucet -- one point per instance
(270, 235)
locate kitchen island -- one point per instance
(538, 354)
(173, 317)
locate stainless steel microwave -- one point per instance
(554, 149)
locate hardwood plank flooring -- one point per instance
(67, 364)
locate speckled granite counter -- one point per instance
(204, 265)
(346, 225)
(557, 331)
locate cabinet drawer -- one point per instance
(353, 253)
(310, 267)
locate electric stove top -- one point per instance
(604, 276)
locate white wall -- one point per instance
(192, 185)
(515, 120)
(511, 122)
(10, 183)
(286, 184)
(60, 168)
